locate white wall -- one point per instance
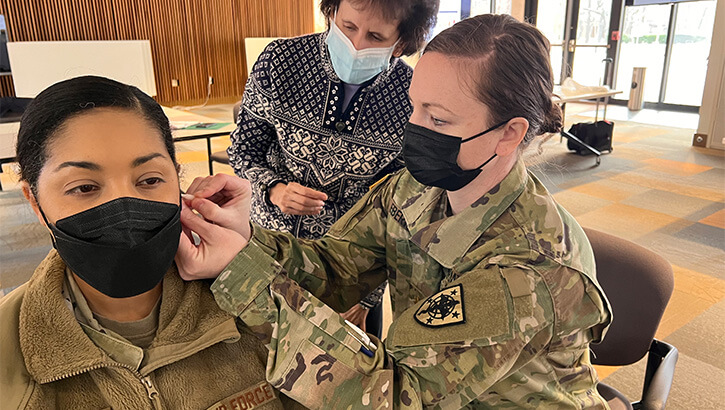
(712, 110)
(39, 64)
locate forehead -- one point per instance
(105, 133)
(371, 13)
(447, 82)
(437, 74)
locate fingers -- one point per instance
(295, 200)
(184, 229)
(192, 222)
(305, 201)
(231, 186)
(217, 247)
(220, 188)
(184, 255)
(213, 213)
(194, 185)
(293, 204)
(307, 192)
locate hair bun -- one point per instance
(553, 121)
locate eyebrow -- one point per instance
(79, 164)
(95, 167)
(146, 158)
(426, 105)
(382, 37)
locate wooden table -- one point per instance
(561, 99)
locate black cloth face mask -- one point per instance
(432, 157)
(121, 248)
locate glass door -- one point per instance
(590, 29)
(643, 44)
(578, 31)
(690, 50)
(673, 42)
(551, 20)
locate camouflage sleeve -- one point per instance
(438, 355)
(345, 265)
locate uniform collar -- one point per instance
(447, 240)
(55, 345)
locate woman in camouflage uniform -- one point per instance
(493, 284)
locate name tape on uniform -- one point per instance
(248, 399)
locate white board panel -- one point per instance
(253, 47)
(38, 64)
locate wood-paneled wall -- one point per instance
(190, 39)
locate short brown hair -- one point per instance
(417, 17)
(512, 73)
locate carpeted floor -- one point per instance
(654, 189)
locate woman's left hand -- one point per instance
(223, 203)
(222, 199)
(216, 249)
(356, 315)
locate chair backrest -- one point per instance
(235, 111)
(253, 47)
(638, 284)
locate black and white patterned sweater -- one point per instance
(292, 128)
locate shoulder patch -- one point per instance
(445, 308)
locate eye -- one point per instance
(150, 182)
(438, 122)
(376, 37)
(82, 189)
(350, 28)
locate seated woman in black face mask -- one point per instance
(105, 321)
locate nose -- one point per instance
(416, 117)
(120, 189)
(358, 40)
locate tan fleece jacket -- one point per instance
(199, 358)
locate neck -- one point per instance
(119, 309)
(491, 175)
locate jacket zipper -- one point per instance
(153, 394)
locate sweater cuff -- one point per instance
(269, 186)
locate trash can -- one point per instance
(636, 91)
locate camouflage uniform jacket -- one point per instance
(494, 307)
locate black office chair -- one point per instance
(638, 284)
(221, 156)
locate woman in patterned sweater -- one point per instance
(322, 116)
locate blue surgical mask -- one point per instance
(355, 66)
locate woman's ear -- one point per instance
(30, 196)
(513, 133)
(398, 50)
